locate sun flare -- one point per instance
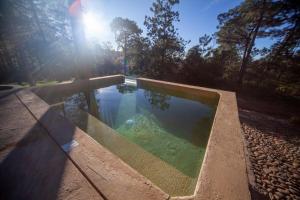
(93, 26)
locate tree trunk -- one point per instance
(125, 54)
(249, 48)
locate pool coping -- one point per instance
(218, 169)
(211, 184)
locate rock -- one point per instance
(278, 195)
(296, 176)
(288, 165)
(271, 196)
(283, 191)
(282, 186)
(256, 154)
(275, 160)
(266, 181)
(292, 190)
(288, 183)
(267, 170)
(258, 180)
(261, 157)
(274, 181)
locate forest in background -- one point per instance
(37, 43)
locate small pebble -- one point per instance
(275, 162)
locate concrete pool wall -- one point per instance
(69, 88)
(223, 172)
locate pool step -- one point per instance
(155, 169)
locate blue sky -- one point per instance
(197, 17)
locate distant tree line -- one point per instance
(235, 61)
(36, 43)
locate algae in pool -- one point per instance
(162, 136)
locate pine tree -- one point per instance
(127, 33)
(240, 27)
(167, 47)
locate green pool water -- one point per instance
(162, 136)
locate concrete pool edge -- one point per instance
(221, 165)
(72, 86)
(219, 162)
(107, 173)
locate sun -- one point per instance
(93, 26)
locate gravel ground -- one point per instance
(273, 148)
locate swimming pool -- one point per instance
(161, 133)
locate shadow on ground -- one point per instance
(32, 165)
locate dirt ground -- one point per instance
(273, 147)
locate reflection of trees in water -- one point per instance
(79, 100)
(85, 100)
(158, 100)
(123, 88)
(201, 130)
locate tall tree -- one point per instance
(127, 33)
(167, 46)
(35, 32)
(204, 45)
(201, 64)
(285, 51)
(138, 55)
(288, 14)
(240, 27)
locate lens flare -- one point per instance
(93, 26)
